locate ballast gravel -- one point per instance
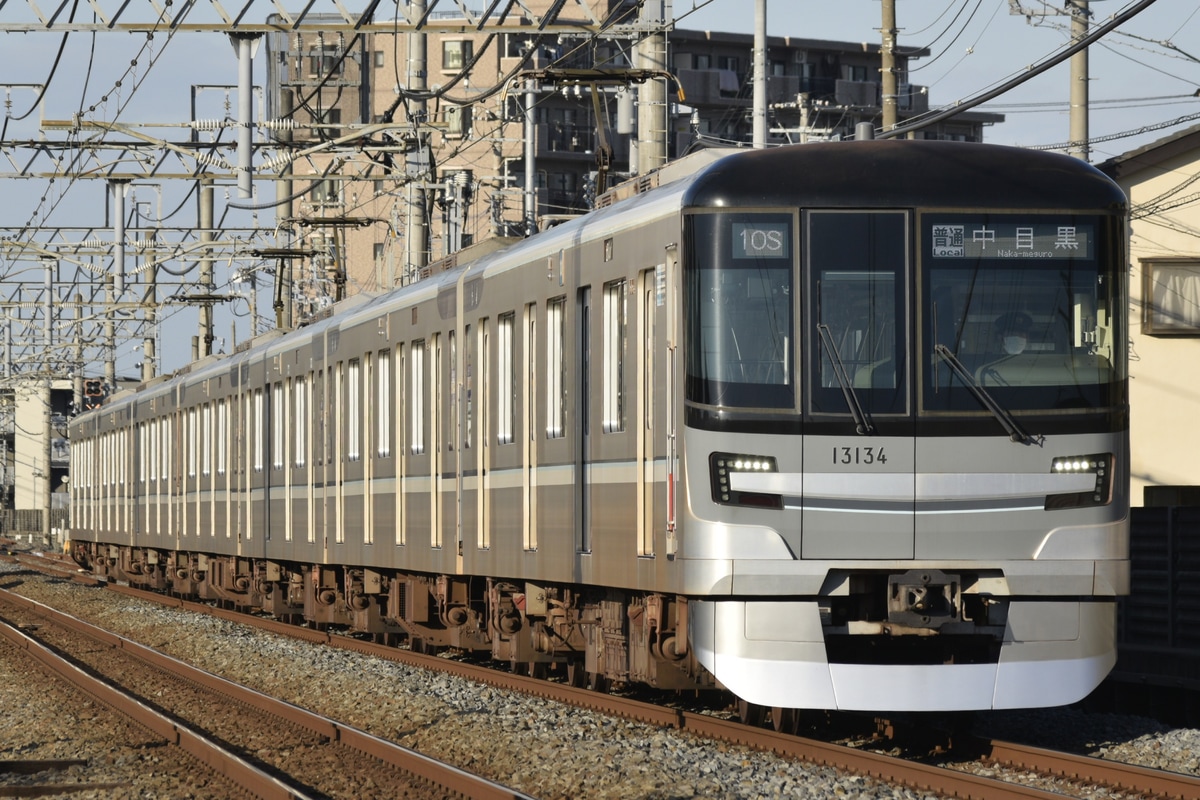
(537, 747)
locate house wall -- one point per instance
(1164, 370)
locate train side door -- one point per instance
(859, 450)
(653, 381)
(583, 467)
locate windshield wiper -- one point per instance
(862, 422)
(1015, 432)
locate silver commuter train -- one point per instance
(836, 426)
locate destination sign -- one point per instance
(1011, 240)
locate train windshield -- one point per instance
(1023, 307)
(857, 272)
(740, 304)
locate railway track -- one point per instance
(267, 748)
(951, 774)
(1087, 774)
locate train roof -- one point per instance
(873, 173)
(899, 172)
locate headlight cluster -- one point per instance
(723, 465)
(1081, 464)
(1098, 464)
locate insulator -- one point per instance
(209, 124)
(211, 161)
(277, 163)
(287, 124)
(94, 244)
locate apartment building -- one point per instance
(451, 171)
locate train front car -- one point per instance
(906, 425)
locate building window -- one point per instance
(458, 120)
(324, 60)
(731, 63)
(325, 193)
(330, 116)
(855, 72)
(703, 61)
(456, 54)
(1171, 297)
(378, 59)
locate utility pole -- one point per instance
(651, 54)
(416, 233)
(110, 336)
(887, 55)
(245, 44)
(760, 73)
(118, 190)
(1079, 82)
(47, 410)
(283, 195)
(530, 152)
(150, 301)
(206, 266)
(1080, 15)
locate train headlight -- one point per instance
(1098, 464)
(723, 465)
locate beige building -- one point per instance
(452, 173)
(1164, 316)
(34, 458)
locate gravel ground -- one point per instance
(44, 720)
(541, 748)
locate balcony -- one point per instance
(715, 87)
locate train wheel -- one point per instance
(751, 713)
(596, 682)
(785, 720)
(576, 675)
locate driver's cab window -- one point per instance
(856, 265)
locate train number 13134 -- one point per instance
(859, 455)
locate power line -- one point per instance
(933, 117)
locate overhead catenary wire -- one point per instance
(933, 117)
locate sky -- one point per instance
(1141, 77)
(1136, 78)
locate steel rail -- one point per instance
(1127, 777)
(221, 760)
(1114, 774)
(889, 769)
(447, 776)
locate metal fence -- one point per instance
(26, 524)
